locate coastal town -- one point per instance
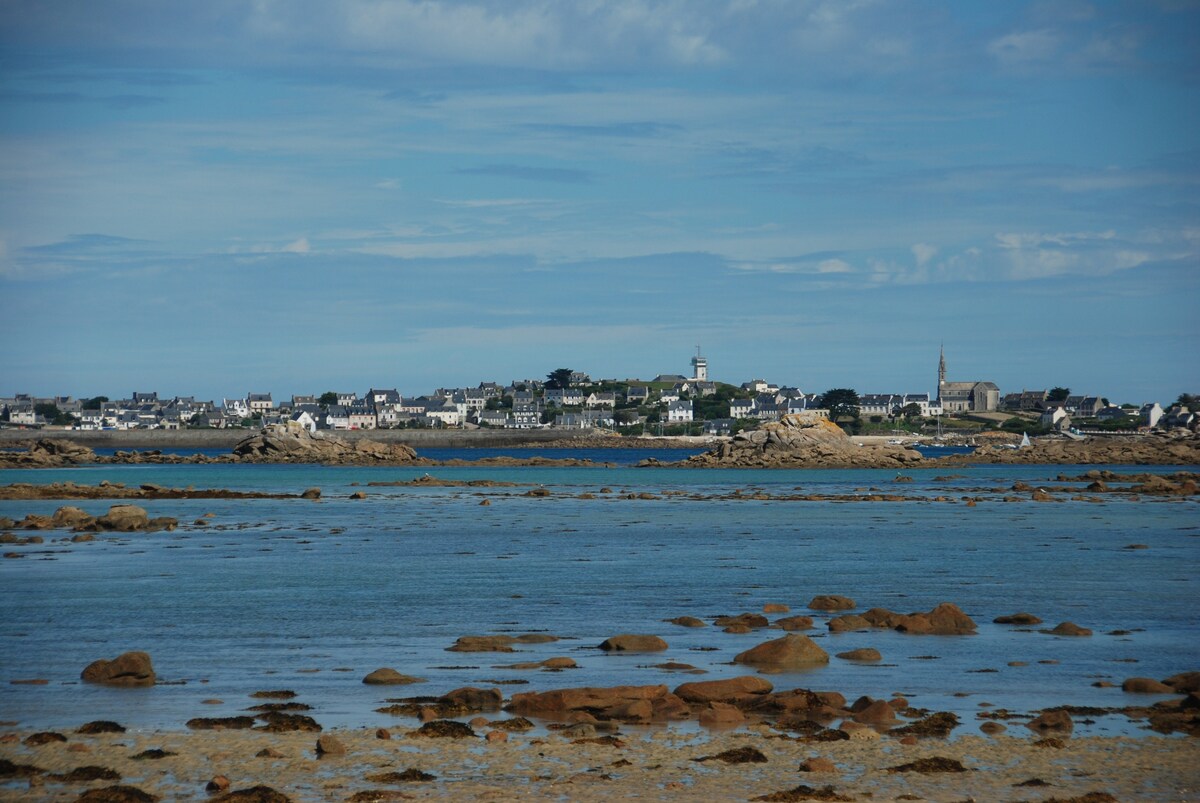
(670, 404)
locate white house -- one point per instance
(236, 408)
(1151, 413)
(679, 412)
(305, 419)
(260, 403)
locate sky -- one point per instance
(293, 196)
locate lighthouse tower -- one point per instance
(699, 367)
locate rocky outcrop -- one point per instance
(47, 453)
(1156, 449)
(290, 443)
(801, 440)
(129, 669)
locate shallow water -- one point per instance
(272, 590)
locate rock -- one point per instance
(1184, 681)
(559, 662)
(775, 607)
(788, 652)
(991, 728)
(1054, 720)
(358, 495)
(862, 654)
(386, 676)
(100, 726)
(831, 602)
(731, 690)
(818, 764)
(219, 783)
(872, 712)
(944, 620)
(1145, 686)
(311, 493)
(44, 737)
(69, 516)
(483, 644)
(469, 700)
(747, 620)
(628, 642)
(791, 623)
(288, 442)
(737, 755)
(937, 724)
(219, 723)
(1068, 629)
(601, 700)
(127, 670)
(124, 518)
(330, 745)
(932, 764)
(1018, 619)
(445, 729)
(847, 623)
(495, 736)
(721, 715)
(280, 722)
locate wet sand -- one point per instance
(643, 764)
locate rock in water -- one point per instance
(289, 442)
(386, 676)
(128, 669)
(124, 518)
(628, 642)
(792, 650)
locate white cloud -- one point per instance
(923, 252)
(1025, 48)
(299, 246)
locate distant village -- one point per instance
(571, 400)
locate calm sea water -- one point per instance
(310, 596)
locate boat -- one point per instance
(1024, 441)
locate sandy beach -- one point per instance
(644, 764)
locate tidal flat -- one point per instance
(311, 595)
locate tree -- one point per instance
(328, 399)
(47, 410)
(94, 402)
(1187, 400)
(841, 403)
(911, 410)
(1058, 394)
(559, 378)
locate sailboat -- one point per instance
(1024, 441)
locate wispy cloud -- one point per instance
(556, 175)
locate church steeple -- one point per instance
(941, 370)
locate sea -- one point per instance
(310, 596)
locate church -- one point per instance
(965, 397)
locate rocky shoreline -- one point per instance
(797, 441)
(754, 741)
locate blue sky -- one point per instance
(221, 197)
